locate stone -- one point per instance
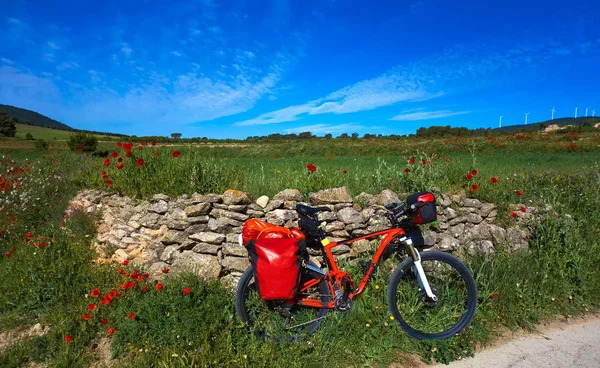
(232, 238)
(273, 204)
(207, 248)
(334, 195)
(198, 219)
(262, 201)
(167, 254)
(281, 215)
(450, 213)
(177, 219)
(231, 280)
(387, 197)
(233, 196)
(340, 249)
(349, 216)
(240, 208)
(352, 227)
(198, 228)
(497, 233)
(291, 223)
(186, 245)
(198, 209)
(448, 243)
(360, 232)
(289, 195)
(255, 214)
(235, 264)
(161, 207)
(340, 234)
(444, 225)
(429, 237)
(203, 265)
(457, 230)
(486, 209)
(477, 232)
(474, 218)
(155, 270)
(336, 225)
(216, 225)
(327, 216)
(161, 197)
(220, 206)
(445, 200)
(120, 255)
(364, 199)
(208, 237)
(485, 247)
(471, 202)
(234, 250)
(218, 213)
(339, 206)
(516, 237)
(173, 237)
(210, 198)
(458, 220)
(150, 220)
(360, 246)
(119, 234)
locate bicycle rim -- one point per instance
(450, 281)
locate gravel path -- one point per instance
(562, 344)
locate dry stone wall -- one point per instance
(200, 232)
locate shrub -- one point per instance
(41, 144)
(82, 141)
(29, 137)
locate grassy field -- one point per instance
(53, 284)
(46, 133)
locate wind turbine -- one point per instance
(576, 112)
(586, 110)
(500, 122)
(593, 112)
(553, 113)
(526, 114)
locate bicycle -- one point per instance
(422, 294)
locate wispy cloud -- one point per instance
(427, 115)
(6, 61)
(176, 53)
(326, 128)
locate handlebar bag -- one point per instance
(277, 264)
(426, 211)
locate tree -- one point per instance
(328, 136)
(82, 141)
(28, 137)
(175, 135)
(354, 135)
(7, 125)
(343, 135)
(305, 135)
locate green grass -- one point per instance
(557, 275)
(46, 133)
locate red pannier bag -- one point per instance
(277, 263)
(257, 229)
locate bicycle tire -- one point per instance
(246, 290)
(408, 320)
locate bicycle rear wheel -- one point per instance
(275, 319)
(450, 280)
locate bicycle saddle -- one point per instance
(310, 211)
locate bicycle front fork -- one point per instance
(419, 273)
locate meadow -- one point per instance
(49, 277)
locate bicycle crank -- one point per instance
(342, 301)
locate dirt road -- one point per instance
(561, 344)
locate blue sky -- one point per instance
(248, 67)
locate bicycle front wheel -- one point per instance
(275, 319)
(452, 283)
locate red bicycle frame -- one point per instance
(335, 275)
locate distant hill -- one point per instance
(558, 121)
(28, 117)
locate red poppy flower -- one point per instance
(494, 180)
(7, 255)
(407, 170)
(130, 285)
(11, 249)
(29, 235)
(513, 214)
(159, 286)
(474, 172)
(144, 289)
(153, 143)
(469, 176)
(103, 172)
(106, 300)
(68, 338)
(474, 187)
(111, 330)
(518, 192)
(106, 162)
(155, 154)
(144, 143)
(187, 291)
(119, 144)
(95, 292)
(128, 154)
(140, 162)
(140, 278)
(431, 155)
(140, 148)
(120, 159)
(87, 316)
(112, 294)
(523, 209)
(311, 167)
(131, 315)
(134, 274)
(118, 293)
(411, 160)
(146, 275)
(120, 271)
(345, 171)
(92, 307)
(165, 271)
(125, 263)
(104, 321)
(447, 159)
(115, 154)
(108, 182)
(120, 166)
(494, 295)
(41, 245)
(175, 154)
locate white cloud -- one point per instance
(7, 61)
(53, 45)
(176, 53)
(326, 128)
(127, 51)
(426, 115)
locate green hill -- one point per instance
(559, 121)
(42, 132)
(23, 116)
